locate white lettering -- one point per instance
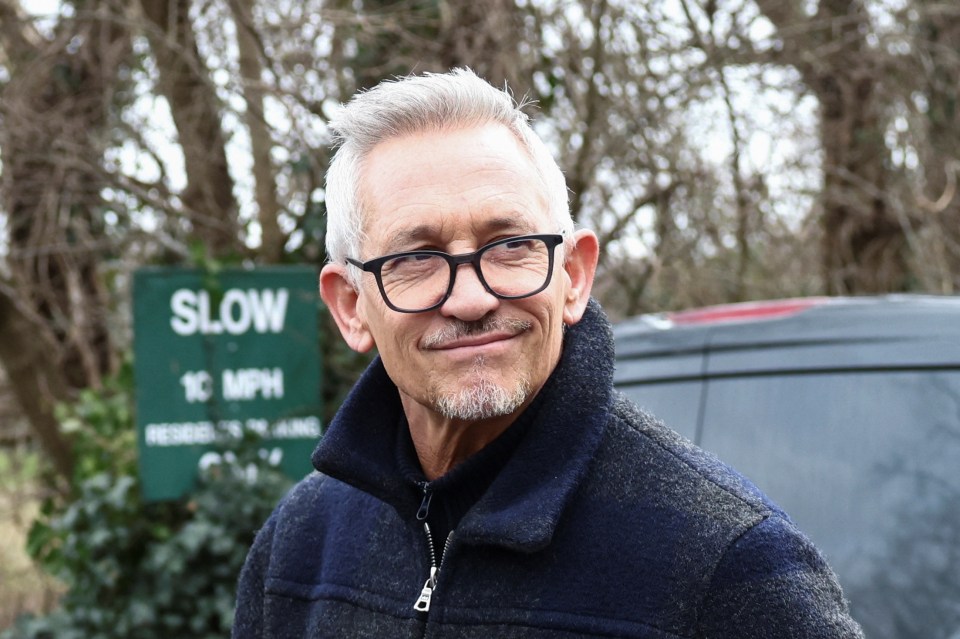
(269, 309)
(235, 385)
(208, 325)
(235, 298)
(264, 311)
(297, 427)
(180, 434)
(183, 303)
(246, 383)
(248, 473)
(259, 426)
(273, 456)
(205, 432)
(271, 383)
(197, 386)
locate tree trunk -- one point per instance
(261, 143)
(208, 197)
(35, 379)
(55, 112)
(487, 36)
(939, 37)
(864, 244)
(864, 247)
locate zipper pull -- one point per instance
(425, 503)
(423, 601)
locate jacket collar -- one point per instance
(523, 505)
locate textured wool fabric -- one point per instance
(603, 523)
(454, 494)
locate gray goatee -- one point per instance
(478, 397)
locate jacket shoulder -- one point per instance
(739, 543)
(636, 437)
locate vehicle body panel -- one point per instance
(847, 413)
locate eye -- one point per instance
(413, 263)
(516, 244)
(410, 261)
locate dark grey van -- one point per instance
(846, 411)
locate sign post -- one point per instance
(218, 356)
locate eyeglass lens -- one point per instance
(511, 269)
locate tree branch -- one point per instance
(36, 380)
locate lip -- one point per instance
(483, 341)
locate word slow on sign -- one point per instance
(239, 311)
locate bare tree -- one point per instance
(56, 125)
(208, 200)
(932, 71)
(653, 112)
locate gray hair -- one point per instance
(428, 102)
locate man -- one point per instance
(483, 478)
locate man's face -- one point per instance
(456, 191)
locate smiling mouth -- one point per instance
(479, 340)
(460, 334)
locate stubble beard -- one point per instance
(480, 398)
(476, 396)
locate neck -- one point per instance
(442, 443)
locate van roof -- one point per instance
(916, 330)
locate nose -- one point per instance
(469, 300)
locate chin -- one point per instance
(483, 399)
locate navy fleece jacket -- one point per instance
(603, 523)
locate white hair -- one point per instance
(428, 102)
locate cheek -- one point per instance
(551, 327)
(373, 311)
(400, 335)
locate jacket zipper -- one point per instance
(423, 601)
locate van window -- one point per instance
(676, 404)
(848, 415)
(866, 464)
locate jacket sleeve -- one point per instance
(772, 583)
(248, 621)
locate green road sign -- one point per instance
(215, 356)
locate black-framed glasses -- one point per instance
(419, 281)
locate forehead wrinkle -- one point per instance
(517, 202)
(402, 238)
(492, 195)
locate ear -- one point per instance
(580, 266)
(343, 301)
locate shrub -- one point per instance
(145, 570)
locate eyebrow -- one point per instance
(423, 232)
(402, 240)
